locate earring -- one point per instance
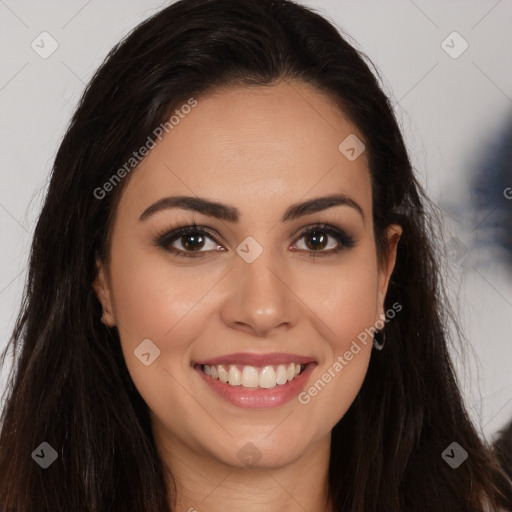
(376, 344)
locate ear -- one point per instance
(394, 232)
(102, 288)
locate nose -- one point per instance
(261, 300)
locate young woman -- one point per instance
(234, 298)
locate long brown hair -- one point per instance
(502, 446)
(71, 388)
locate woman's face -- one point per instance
(247, 294)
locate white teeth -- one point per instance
(252, 377)
(281, 376)
(235, 377)
(267, 378)
(223, 373)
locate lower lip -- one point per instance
(258, 398)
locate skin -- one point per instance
(259, 150)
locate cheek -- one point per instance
(345, 307)
(346, 298)
(157, 301)
(151, 295)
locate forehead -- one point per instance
(257, 147)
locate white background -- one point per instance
(451, 112)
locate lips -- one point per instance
(256, 380)
(256, 396)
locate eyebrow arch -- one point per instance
(232, 214)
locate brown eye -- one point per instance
(317, 240)
(190, 240)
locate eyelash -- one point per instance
(164, 239)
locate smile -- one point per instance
(256, 381)
(247, 376)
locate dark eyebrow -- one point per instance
(230, 213)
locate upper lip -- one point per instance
(245, 358)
